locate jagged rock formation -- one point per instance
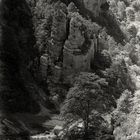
(80, 46)
(55, 20)
(71, 42)
(66, 42)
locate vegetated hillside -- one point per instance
(74, 60)
(126, 115)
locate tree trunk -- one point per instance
(86, 122)
(86, 130)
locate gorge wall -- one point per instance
(70, 40)
(44, 44)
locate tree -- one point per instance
(132, 30)
(134, 55)
(113, 6)
(137, 15)
(124, 102)
(136, 5)
(72, 7)
(130, 13)
(83, 98)
(118, 78)
(123, 118)
(121, 9)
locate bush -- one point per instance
(137, 15)
(136, 5)
(121, 9)
(130, 13)
(83, 98)
(132, 30)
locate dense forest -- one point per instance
(69, 69)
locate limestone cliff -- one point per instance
(71, 41)
(65, 38)
(79, 48)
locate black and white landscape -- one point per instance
(69, 69)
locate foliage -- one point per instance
(72, 7)
(118, 78)
(134, 55)
(137, 16)
(121, 10)
(121, 117)
(42, 22)
(130, 13)
(81, 96)
(132, 30)
(102, 60)
(113, 6)
(84, 97)
(124, 102)
(136, 5)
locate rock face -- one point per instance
(63, 44)
(66, 42)
(53, 25)
(79, 47)
(71, 41)
(58, 30)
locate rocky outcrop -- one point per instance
(80, 46)
(69, 45)
(66, 42)
(53, 25)
(58, 31)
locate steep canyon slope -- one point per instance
(45, 46)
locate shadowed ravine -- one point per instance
(16, 51)
(20, 96)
